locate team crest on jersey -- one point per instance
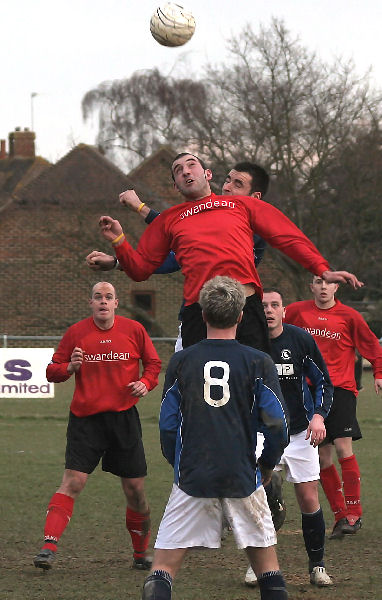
(286, 354)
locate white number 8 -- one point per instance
(222, 382)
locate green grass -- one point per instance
(95, 552)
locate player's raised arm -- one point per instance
(111, 229)
(152, 249)
(99, 261)
(131, 200)
(281, 233)
(342, 277)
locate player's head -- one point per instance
(222, 300)
(191, 176)
(246, 179)
(274, 311)
(103, 303)
(323, 292)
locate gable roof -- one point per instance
(83, 174)
(15, 173)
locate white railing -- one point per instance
(56, 338)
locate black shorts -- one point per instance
(116, 437)
(342, 421)
(252, 331)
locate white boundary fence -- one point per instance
(56, 338)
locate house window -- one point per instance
(144, 301)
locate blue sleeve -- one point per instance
(259, 246)
(321, 387)
(170, 415)
(151, 216)
(272, 414)
(170, 265)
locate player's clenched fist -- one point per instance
(110, 228)
(137, 388)
(76, 360)
(99, 261)
(129, 198)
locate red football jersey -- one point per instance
(338, 331)
(214, 236)
(111, 361)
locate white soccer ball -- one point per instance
(172, 25)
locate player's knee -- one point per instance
(73, 483)
(135, 494)
(157, 586)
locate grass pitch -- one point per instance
(94, 557)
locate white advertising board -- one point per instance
(22, 373)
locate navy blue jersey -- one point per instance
(297, 358)
(217, 395)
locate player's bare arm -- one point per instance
(131, 199)
(342, 277)
(99, 261)
(76, 360)
(138, 389)
(316, 430)
(111, 229)
(377, 385)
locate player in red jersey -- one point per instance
(213, 235)
(104, 352)
(244, 179)
(339, 330)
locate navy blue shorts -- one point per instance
(114, 437)
(342, 421)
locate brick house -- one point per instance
(49, 215)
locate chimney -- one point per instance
(21, 143)
(3, 153)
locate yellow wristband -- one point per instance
(141, 206)
(117, 239)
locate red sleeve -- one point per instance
(57, 370)
(366, 343)
(152, 249)
(279, 231)
(150, 361)
(291, 315)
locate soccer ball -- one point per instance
(172, 25)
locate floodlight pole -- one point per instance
(33, 95)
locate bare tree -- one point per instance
(138, 114)
(272, 102)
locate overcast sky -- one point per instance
(59, 50)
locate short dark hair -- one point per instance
(273, 290)
(260, 178)
(222, 299)
(204, 166)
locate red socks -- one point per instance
(347, 503)
(352, 487)
(332, 486)
(58, 515)
(138, 525)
